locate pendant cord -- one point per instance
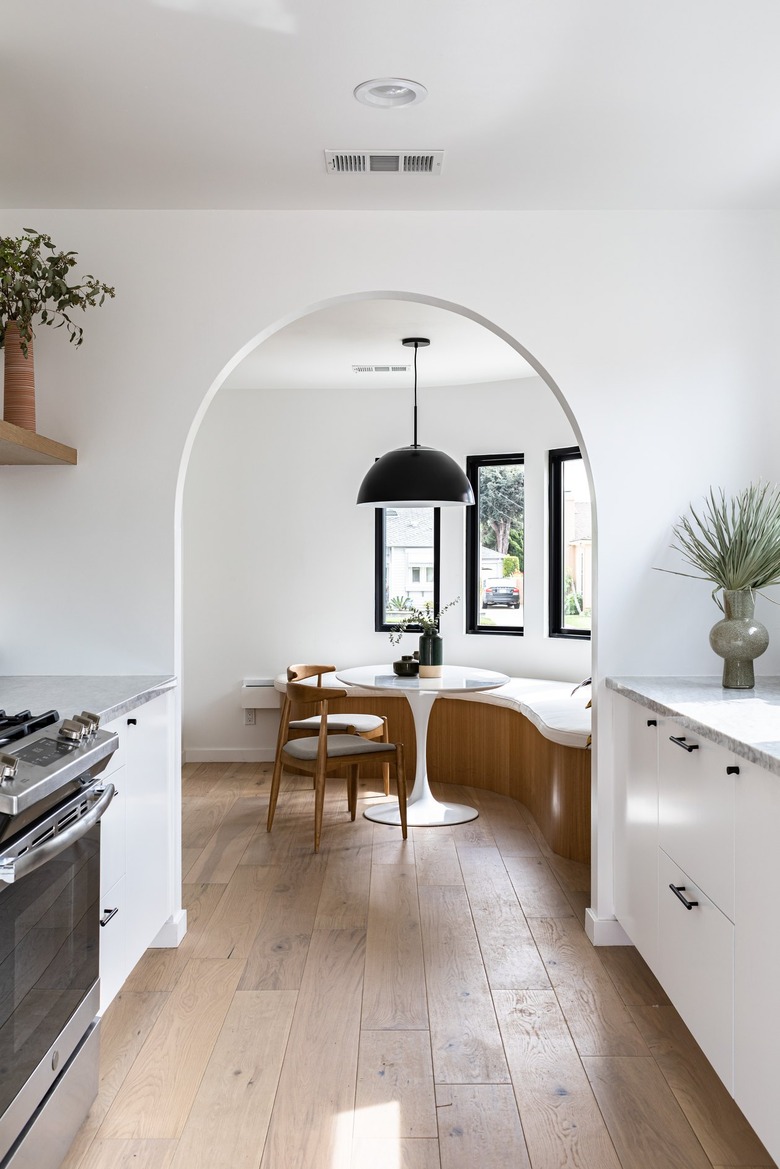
(415, 443)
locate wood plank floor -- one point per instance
(432, 1004)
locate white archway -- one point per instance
(280, 324)
(269, 331)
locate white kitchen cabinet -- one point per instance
(696, 811)
(718, 819)
(147, 870)
(757, 951)
(674, 826)
(696, 963)
(636, 825)
(113, 951)
(136, 841)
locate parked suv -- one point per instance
(502, 594)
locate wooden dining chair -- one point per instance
(328, 751)
(368, 726)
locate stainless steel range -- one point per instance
(51, 801)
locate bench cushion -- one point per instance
(557, 713)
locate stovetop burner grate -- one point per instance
(19, 726)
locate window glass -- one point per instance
(571, 545)
(406, 562)
(495, 544)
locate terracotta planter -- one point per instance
(19, 392)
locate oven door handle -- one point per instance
(14, 869)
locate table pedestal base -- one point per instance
(423, 813)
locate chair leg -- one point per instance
(352, 789)
(275, 782)
(277, 773)
(400, 779)
(385, 766)
(319, 802)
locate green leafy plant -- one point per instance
(34, 287)
(511, 565)
(733, 542)
(399, 604)
(425, 620)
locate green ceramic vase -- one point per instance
(738, 638)
(431, 655)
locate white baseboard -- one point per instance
(605, 931)
(227, 755)
(172, 932)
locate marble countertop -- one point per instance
(107, 695)
(746, 722)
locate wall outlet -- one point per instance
(249, 717)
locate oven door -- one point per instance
(49, 926)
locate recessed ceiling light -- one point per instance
(390, 91)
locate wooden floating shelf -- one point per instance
(23, 447)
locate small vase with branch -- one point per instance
(735, 544)
(34, 288)
(426, 620)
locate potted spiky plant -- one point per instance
(34, 288)
(735, 544)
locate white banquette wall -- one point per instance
(279, 561)
(658, 329)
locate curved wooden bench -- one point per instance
(527, 740)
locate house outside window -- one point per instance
(495, 544)
(571, 546)
(406, 563)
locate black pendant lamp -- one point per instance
(415, 476)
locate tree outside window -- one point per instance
(495, 541)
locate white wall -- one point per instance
(659, 328)
(279, 561)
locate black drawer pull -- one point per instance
(132, 722)
(732, 771)
(652, 722)
(680, 742)
(678, 891)
(108, 914)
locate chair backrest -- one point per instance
(305, 692)
(299, 672)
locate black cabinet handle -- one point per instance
(108, 914)
(132, 722)
(678, 891)
(652, 722)
(732, 771)
(680, 742)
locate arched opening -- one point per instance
(310, 311)
(282, 547)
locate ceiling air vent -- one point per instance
(408, 162)
(380, 368)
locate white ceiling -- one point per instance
(541, 104)
(537, 104)
(319, 350)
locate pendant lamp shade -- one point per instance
(415, 476)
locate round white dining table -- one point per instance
(423, 809)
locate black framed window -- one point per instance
(495, 544)
(571, 545)
(406, 563)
